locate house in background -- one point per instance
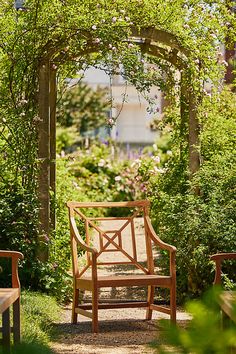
(133, 124)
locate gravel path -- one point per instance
(121, 331)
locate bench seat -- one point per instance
(8, 297)
(125, 280)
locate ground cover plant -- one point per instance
(38, 313)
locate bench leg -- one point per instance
(95, 311)
(16, 321)
(150, 298)
(173, 304)
(6, 330)
(75, 305)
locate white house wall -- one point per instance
(133, 123)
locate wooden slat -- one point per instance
(117, 305)
(128, 204)
(160, 308)
(113, 263)
(111, 250)
(133, 239)
(83, 312)
(110, 218)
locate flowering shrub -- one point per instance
(101, 176)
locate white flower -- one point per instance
(117, 178)
(154, 147)
(94, 27)
(114, 19)
(97, 40)
(101, 163)
(110, 121)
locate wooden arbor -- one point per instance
(154, 42)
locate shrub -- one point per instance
(201, 225)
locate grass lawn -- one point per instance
(38, 313)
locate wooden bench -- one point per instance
(11, 297)
(227, 299)
(113, 240)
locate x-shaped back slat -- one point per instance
(110, 240)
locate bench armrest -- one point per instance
(78, 238)
(218, 258)
(15, 256)
(222, 256)
(156, 239)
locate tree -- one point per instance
(83, 107)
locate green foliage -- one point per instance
(83, 107)
(201, 225)
(57, 279)
(65, 138)
(204, 334)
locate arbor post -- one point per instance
(44, 161)
(193, 140)
(53, 99)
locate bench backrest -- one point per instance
(14, 256)
(117, 244)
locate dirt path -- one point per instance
(122, 331)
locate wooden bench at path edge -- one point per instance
(112, 240)
(11, 297)
(227, 299)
